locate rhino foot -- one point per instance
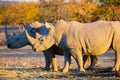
(117, 73)
(65, 70)
(115, 69)
(46, 69)
(82, 70)
(55, 70)
(79, 73)
(90, 68)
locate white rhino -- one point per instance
(19, 40)
(78, 39)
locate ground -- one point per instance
(24, 64)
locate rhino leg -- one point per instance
(93, 61)
(47, 61)
(53, 59)
(77, 55)
(67, 61)
(117, 61)
(86, 60)
(50, 58)
(54, 66)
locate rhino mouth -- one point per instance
(10, 46)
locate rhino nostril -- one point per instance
(34, 49)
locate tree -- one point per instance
(21, 12)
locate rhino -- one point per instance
(77, 39)
(19, 40)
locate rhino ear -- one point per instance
(38, 35)
(27, 27)
(48, 25)
(35, 25)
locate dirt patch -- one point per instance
(24, 64)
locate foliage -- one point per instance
(85, 11)
(19, 13)
(1, 16)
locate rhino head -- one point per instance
(19, 40)
(42, 42)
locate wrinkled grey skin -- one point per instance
(19, 40)
(78, 39)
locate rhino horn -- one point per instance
(30, 39)
(6, 33)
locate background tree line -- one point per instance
(84, 11)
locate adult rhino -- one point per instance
(20, 40)
(78, 39)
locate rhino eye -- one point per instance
(41, 40)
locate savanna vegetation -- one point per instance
(23, 64)
(84, 11)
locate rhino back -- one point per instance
(94, 38)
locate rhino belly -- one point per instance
(98, 50)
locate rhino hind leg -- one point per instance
(89, 58)
(117, 61)
(86, 60)
(94, 60)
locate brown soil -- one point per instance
(24, 64)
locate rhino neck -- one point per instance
(60, 29)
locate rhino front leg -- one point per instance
(47, 61)
(77, 55)
(50, 58)
(117, 61)
(54, 64)
(67, 61)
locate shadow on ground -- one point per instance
(38, 73)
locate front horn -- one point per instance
(30, 39)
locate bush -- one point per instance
(54, 10)
(20, 12)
